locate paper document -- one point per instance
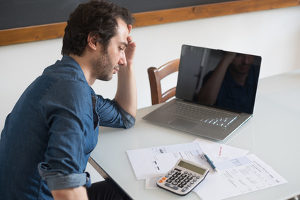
(150, 162)
(238, 173)
(238, 176)
(218, 151)
(150, 182)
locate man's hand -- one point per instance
(126, 92)
(229, 57)
(129, 52)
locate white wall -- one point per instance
(273, 34)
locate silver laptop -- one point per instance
(215, 93)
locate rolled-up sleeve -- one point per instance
(57, 181)
(68, 113)
(111, 114)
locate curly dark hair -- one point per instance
(97, 18)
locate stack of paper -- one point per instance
(238, 173)
(151, 162)
(238, 176)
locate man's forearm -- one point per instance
(210, 90)
(70, 194)
(126, 92)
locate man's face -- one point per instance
(109, 61)
(242, 63)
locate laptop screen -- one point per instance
(222, 79)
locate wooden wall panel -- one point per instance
(56, 30)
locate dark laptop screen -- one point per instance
(218, 78)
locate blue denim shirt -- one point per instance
(51, 131)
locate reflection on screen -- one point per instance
(218, 78)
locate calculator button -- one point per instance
(169, 181)
(171, 186)
(162, 179)
(174, 182)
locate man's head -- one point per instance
(107, 62)
(98, 31)
(96, 18)
(242, 63)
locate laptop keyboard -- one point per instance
(208, 116)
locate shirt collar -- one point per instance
(68, 60)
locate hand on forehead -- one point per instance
(129, 26)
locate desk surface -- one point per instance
(273, 134)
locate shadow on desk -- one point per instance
(295, 197)
(98, 168)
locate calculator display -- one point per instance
(191, 167)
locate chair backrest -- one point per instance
(155, 77)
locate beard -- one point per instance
(103, 67)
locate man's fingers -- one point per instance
(129, 40)
(129, 27)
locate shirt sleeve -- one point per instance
(67, 111)
(111, 114)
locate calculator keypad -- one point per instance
(178, 180)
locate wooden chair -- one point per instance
(155, 77)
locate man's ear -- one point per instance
(92, 41)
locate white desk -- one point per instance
(273, 134)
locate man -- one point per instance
(48, 136)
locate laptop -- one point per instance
(215, 93)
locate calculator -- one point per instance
(183, 178)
